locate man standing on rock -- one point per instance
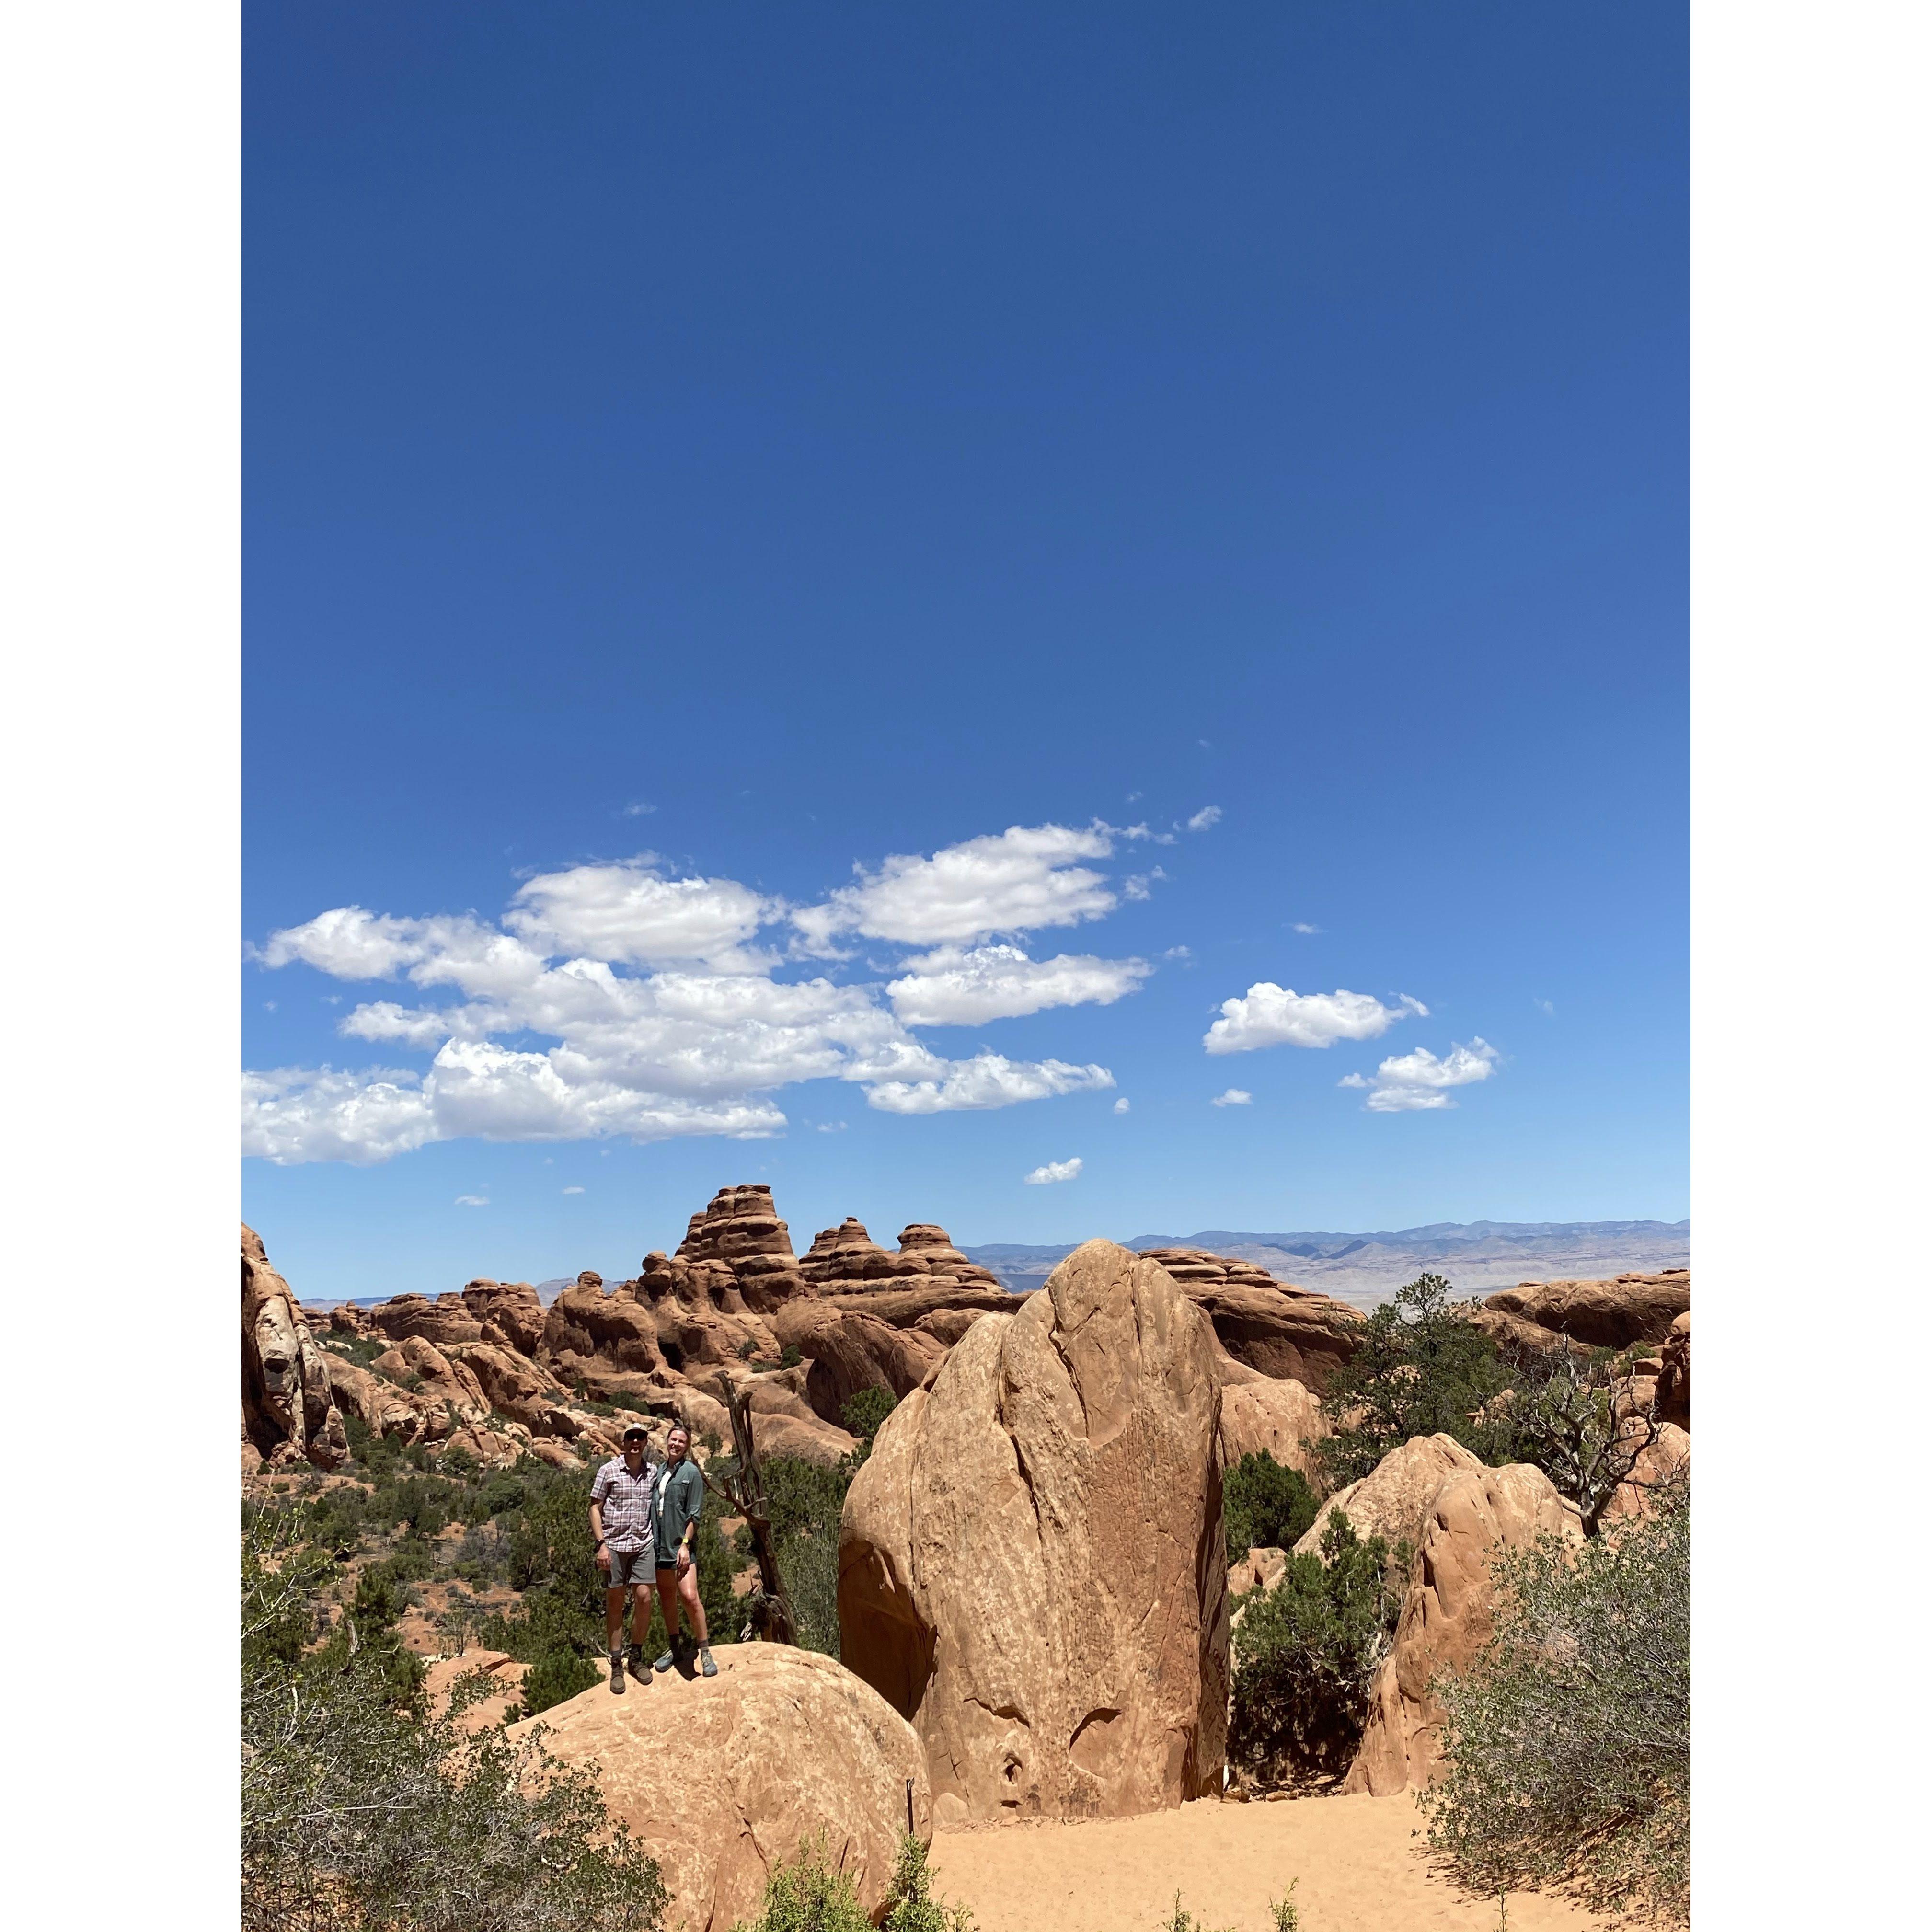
(620, 1522)
(679, 1492)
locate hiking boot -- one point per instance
(634, 1662)
(617, 1673)
(704, 1663)
(669, 1658)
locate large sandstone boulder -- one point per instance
(1605, 1314)
(514, 1386)
(1393, 1501)
(1031, 1563)
(1260, 1415)
(1278, 1331)
(288, 1406)
(723, 1778)
(1447, 1613)
(585, 1321)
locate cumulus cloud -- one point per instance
(1418, 1081)
(472, 1201)
(1053, 1171)
(1122, 1105)
(1235, 1096)
(1208, 814)
(1272, 1015)
(573, 1190)
(1008, 882)
(1305, 929)
(949, 987)
(641, 807)
(632, 915)
(986, 1080)
(616, 999)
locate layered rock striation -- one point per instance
(288, 1413)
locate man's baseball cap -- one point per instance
(638, 1428)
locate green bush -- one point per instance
(556, 1675)
(807, 1895)
(1305, 1656)
(789, 1357)
(1567, 1744)
(361, 1808)
(1266, 1506)
(912, 1907)
(865, 1415)
(1420, 1368)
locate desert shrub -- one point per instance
(359, 1807)
(556, 1675)
(1567, 1744)
(807, 1894)
(1421, 1368)
(1266, 1506)
(910, 1906)
(1181, 1920)
(1305, 1656)
(789, 1357)
(865, 1415)
(1573, 1415)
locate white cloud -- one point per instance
(1053, 1171)
(640, 808)
(614, 999)
(1010, 882)
(952, 987)
(1122, 1105)
(573, 1190)
(1177, 953)
(1545, 1006)
(296, 1115)
(631, 915)
(1235, 1096)
(1304, 929)
(472, 1201)
(1418, 1082)
(1208, 814)
(986, 1080)
(1272, 1015)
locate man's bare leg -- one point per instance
(613, 1617)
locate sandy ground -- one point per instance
(1358, 1866)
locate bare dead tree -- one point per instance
(768, 1610)
(1585, 1424)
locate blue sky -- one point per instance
(1197, 496)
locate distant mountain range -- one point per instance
(1479, 1257)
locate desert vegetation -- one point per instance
(1567, 1750)
(1307, 1654)
(808, 1894)
(361, 1806)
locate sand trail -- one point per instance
(1359, 1868)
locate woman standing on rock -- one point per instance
(680, 1492)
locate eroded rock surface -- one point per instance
(288, 1407)
(1448, 1613)
(1605, 1314)
(1393, 1500)
(723, 1778)
(1031, 1562)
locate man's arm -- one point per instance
(597, 1523)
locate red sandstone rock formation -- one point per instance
(288, 1409)
(1604, 1314)
(722, 1778)
(1447, 1613)
(1031, 1563)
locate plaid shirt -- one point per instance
(624, 1501)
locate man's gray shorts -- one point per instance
(632, 1566)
